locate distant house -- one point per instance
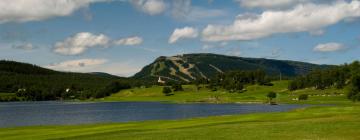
(21, 89)
(161, 81)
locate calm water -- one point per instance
(48, 113)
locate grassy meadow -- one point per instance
(336, 118)
(328, 123)
(254, 94)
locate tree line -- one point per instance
(338, 77)
(33, 83)
(234, 81)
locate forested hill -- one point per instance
(32, 82)
(189, 67)
(23, 68)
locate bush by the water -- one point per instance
(303, 97)
(271, 95)
(177, 87)
(167, 91)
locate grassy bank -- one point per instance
(254, 94)
(8, 97)
(335, 122)
(339, 121)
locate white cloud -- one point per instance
(329, 47)
(118, 68)
(211, 46)
(76, 65)
(181, 33)
(151, 7)
(235, 52)
(321, 60)
(198, 13)
(275, 53)
(303, 18)
(80, 42)
(317, 32)
(36, 10)
(27, 46)
(96, 65)
(183, 10)
(269, 3)
(130, 41)
(208, 46)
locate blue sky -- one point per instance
(122, 36)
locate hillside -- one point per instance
(253, 94)
(103, 74)
(37, 83)
(23, 68)
(189, 67)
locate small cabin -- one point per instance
(161, 81)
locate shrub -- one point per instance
(271, 95)
(177, 87)
(303, 97)
(167, 91)
(354, 93)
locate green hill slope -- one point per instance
(44, 84)
(189, 67)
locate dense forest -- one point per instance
(234, 81)
(191, 67)
(339, 77)
(31, 83)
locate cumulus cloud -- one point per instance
(151, 7)
(302, 18)
(317, 32)
(130, 41)
(235, 52)
(96, 65)
(36, 10)
(76, 65)
(329, 47)
(211, 46)
(208, 46)
(183, 10)
(275, 53)
(118, 68)
(80, 42)
(27, 46)
(269, 3)
(181, 33)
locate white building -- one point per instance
(161, 81)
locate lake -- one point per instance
(64, 113)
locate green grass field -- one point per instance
(254, 94)
(7, 94)
(328, 123)
(340, 120)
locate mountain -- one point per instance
(189, 67)
(23, 68)
(103, 74)
(17, 75)
(13, 67)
